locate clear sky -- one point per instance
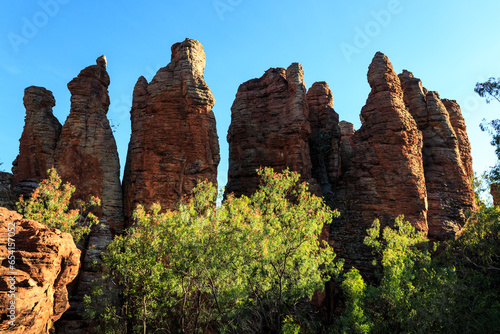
(450, 45)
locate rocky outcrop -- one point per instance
(174, 140)
(38, 140)
(44, 261)
(325, 139)
(458, 123)
(446, 157)
(7, 196)
(269, 128)
(385, 177)
(86, 154)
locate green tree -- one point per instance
(421, 291)
(491, 90)
(241, 267)
(49, 205)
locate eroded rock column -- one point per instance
(269, 128)
(38, 141)
(174, 141)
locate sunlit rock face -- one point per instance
(446, 157)
(385, 176)
(269, 128)
(46, 261)
(38, 140)
(174, 141)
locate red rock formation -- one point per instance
(174, 141)
(346, 147)
(325, 139)
(458, 123)
(45, 261)
(269, 128)
(86, 153)
(446, 158)
(386, 176)
(38, 141)
(86, 156)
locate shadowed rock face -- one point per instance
(325, 139)
(38, 140)
(269, 128)
(386, 176)
(174, 141)
(46, 262)
(446, 157)
(7, 196)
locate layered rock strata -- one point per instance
(325, 141)
(44, 262)
(174, 141)
(446, 157)
(86, 153)
(38, 140)
(269, 128)
(87, 157)
(386, 176)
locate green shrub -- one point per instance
(49, 205)
(240, 267)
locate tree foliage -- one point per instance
(456, 291)
(241, 267)
(49, 205)
(491, 90)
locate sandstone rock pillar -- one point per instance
(269, 128)
(38, 141)
(174, 140)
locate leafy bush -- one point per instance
(456, 291)
(241, 267)
(49, 205)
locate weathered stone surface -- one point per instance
(7, 197)
(87, 157)
(269, 128)
(325, 139)
(386, 176)
(446, 158)
(174, 141)
(38, 140)
(458, 123)
(86, 153)
(46, 261)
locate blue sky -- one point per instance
(450, 45)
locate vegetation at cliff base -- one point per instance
(456, 291)
(249, 265)
(49, 205)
